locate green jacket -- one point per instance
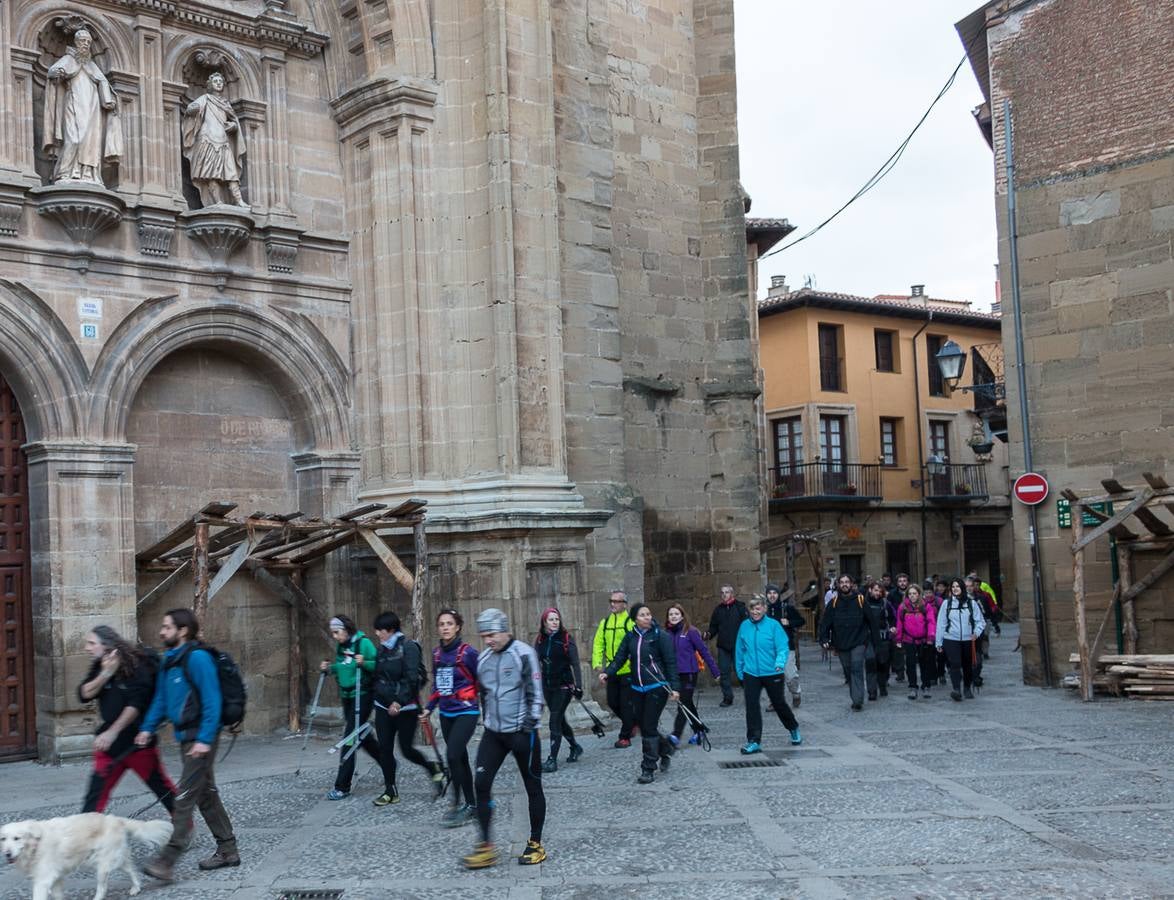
(343, 668)
(608, 636)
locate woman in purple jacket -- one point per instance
(688, 643)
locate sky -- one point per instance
(827, 90)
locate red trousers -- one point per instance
(108, 770)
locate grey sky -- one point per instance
(826, 91)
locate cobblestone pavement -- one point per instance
(1019, 793)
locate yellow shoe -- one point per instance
(483, 856)
(533, 854)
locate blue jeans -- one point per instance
(725, 661)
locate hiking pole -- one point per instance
(700, 727)
(355, 738)
(430, 739)
(310, 722)
(596, 725)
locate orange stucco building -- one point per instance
(867, 441)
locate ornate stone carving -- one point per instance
(84, 210)
(11, 207)
(81, 125)
(223, 230)
(156, 229)
(214, 145)
(281, 248)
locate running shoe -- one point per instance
(751, 747)
(387, 798)
(576, 752)
(729, 701)
(551, 765)
(954, 695)
(483, 856)
(674, 740)
(623, 742)
(695, 740)
(336, 794)
(646, 778)
(925, 693)
(533, 854)
(452, 818)
(796, 699)
(664, 763)
(913, 694)
(796, 738)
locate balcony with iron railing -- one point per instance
(847, 483)
(946, 483)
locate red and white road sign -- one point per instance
(1031, 489)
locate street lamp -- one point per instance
(952, 363)
(936, 464)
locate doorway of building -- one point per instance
(899, 558)
(852, 564)
(18, 737)
(980, 553)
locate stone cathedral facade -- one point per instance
(303, 255)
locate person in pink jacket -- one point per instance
(916, 624)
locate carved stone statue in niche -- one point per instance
(81, 125)
(214, 146)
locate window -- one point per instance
(885, 359)
(939, 440)
(888, 436)
(831, 376)
(831, 442)
(933, 344)
(788, 443)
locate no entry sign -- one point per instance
(1031, 489)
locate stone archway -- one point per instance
(18, 734)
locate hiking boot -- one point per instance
(727, 701)
(884, 691)
(386, 798)
(483, 856)
(646, 778)
(913, 694)
(336, 794)
(551, 765)
(533, 854)
(968, 694)
(160, 868)
(451, 819)
(675, 740)
(796, 738)
(665, 761)
(695, 740)
(925, 693)
(872, 696)
(622, 743)
(576, 752)
(796, 699)
(220, 860)
(751, 747)
(856, 707)
(954, 695)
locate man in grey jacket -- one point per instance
(509, 678)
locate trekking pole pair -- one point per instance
(355, 738)
(430, 739)
(310, 723)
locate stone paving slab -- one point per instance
(1020, 793)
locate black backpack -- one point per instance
(233, 695)
(421, 668)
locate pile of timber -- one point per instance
(1140, 676)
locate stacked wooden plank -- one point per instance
(1141, 676)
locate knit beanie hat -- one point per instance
(492, 620)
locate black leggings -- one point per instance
(526, 748)
(648, 706)
(457, 731)
(960, 659)
(390, 728)
(752, 687)
(557, 701)
(923, 655)
(346, 767)
(688, 686)
(619, 701)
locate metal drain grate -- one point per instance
(312, 894)
(792, 752)
(760, 763)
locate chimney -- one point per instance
(778, 286)
(917, 290)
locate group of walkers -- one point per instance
(643, 665)
(918, 634)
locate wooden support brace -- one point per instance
(291, 594)
(200, 570)
(398, 570)
(1153, 523)
(322, 547)
(1150, 577)
(229, 567)
(165, 585)
(174, 538)
(420, 587)
(1080, 540)
(1078, 601)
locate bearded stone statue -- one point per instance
(81, 125)
(214, 146)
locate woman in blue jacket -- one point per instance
(760, 656)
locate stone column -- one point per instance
(277, 169)
(81, 509)
(258, 162)
(154, 141)
(327, 485)
(21, 140)
(173, 103)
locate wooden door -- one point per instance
(17, 715)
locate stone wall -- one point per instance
(1095, 190)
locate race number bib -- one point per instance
(444, 681)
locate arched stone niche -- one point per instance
(53, 39)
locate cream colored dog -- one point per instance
(51, 849)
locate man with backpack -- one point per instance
(399, 674)
(189, 694)
(608, 637)
(846, 627)
(724, 623)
